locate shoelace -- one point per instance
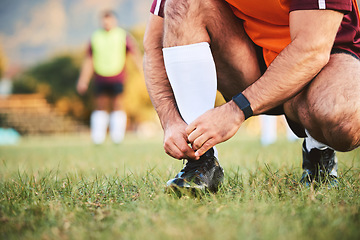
(194, 165)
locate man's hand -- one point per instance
(81, 87)
(215, 126)
(176, 143)
(161, 94)
(86, 73)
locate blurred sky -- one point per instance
(31, 30)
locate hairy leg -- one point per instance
(329, 107)
(118, 102)
(102, 102)
(194, 21)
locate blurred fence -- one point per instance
(31, 114)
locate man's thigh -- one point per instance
(335, 92)
(330, 104)
(239, 62)
(192, 21)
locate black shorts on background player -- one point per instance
(111, 89)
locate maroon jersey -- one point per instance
(157, 7)
(348, 36)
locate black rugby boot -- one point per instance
(319, 166)
(203, 174)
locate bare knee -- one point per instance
(117, 102)
(338, 127)
(178, 10)
(329, 107)
(175, 10)
(346, 136)
(185, 22)
(102, 102)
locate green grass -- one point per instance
(66, 188)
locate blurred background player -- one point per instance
(269, 130)
(106, 58)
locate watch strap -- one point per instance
(243, 104)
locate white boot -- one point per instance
(99, 122)
(117, 126)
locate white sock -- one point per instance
(117, 126)
(291, 136)
(268, 129)
(312, 143)
(99, 121)
(192, 75)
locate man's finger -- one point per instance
(190, 128)
(186, 150)
(205, 147)
(172, 150)
(194, 135)
(199, 141)
(179, 149)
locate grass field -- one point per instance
(65, 188)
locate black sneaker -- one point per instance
(319, 166)
(203, 174)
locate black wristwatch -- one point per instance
(243, 104)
